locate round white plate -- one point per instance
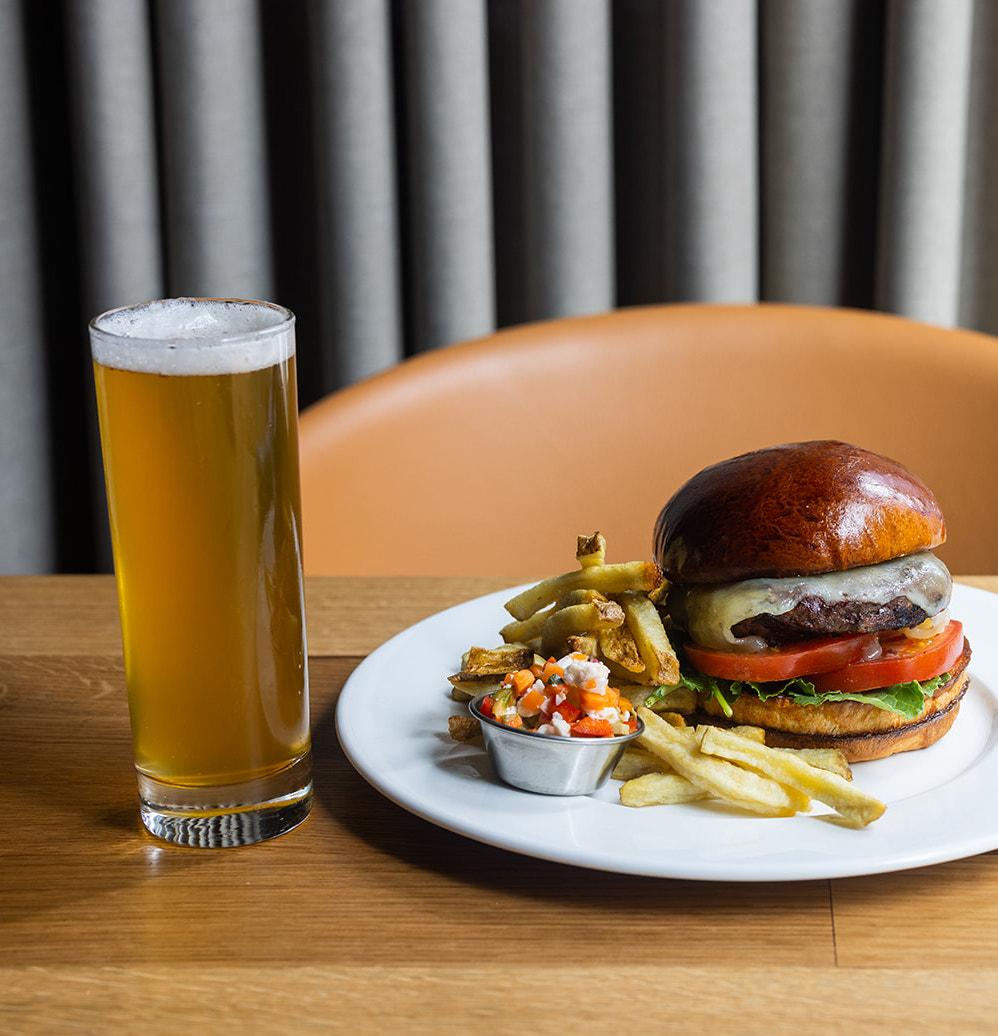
(941, 803)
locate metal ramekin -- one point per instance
(550, 764)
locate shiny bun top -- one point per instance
(798, 509)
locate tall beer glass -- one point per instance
(198, 415)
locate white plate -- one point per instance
(941, 801)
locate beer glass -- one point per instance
(197, 403)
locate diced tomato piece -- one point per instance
(591, 701)
(532, 701)
(486, 706)
(522, 681)
(549, 669)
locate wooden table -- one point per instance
(368, 919)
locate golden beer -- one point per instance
(200, 448)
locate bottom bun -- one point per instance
(860, 732)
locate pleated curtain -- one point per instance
(408, 174)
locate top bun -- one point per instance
(799, 509)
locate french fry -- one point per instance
(660, 789)
(526, 630)
(608, 579)
(465, 690)
(582, 595)
(731, 783)
(463, 728)
(756, 734)
(479, 661)
(591, 550)
(579, 643)
(622, 677)
(617, 645)
(644, 622)
(636, 762)
(670, 733)
(679, 699)
(674, 719)
(830, 759)
(856, 806)
(482, 669)
(589, 617)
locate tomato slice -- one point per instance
(802, 659)
(840, 663)
(903, 660)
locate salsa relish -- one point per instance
(570, 697)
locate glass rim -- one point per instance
(282, 325)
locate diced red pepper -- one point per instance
(568, 712)
(589, 726)
(486, 706)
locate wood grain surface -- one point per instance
(369, 919)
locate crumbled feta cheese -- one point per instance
(611, 713)
(558, 725)
(584, 672)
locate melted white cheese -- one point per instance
(709, 611)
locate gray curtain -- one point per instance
(409, 173)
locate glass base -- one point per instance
(229, 816)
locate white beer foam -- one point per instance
(193, 336)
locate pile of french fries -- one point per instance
(607, 611)
(673, 763)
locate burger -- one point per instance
(806, 599)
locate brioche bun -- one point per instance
(798, 509)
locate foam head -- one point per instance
(193, 336)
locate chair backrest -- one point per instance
(490, 457)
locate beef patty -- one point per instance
(814, 617)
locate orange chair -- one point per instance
(489, 457)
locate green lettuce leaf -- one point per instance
(906, 699)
